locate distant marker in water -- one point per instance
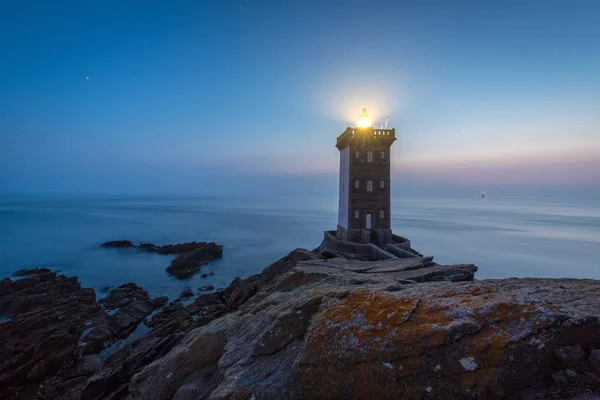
(87, 78)
(482, 194)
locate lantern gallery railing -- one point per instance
(377, 132)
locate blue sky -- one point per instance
(194, 96)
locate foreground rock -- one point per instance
(53, 324)
(328, 329)
(127, 306)
(190, 256)
(313, 327)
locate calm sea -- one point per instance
(505, 237)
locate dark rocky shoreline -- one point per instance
(308, 326)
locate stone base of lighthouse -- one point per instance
(379, 237)
(382, 244)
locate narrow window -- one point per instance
(356, 184)
(369, 186)
(382, 184)
(370, 156)
(381, 214)
(353, 131)
(357, 154)
(355, 214)
(382, 155)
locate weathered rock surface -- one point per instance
(52, 323)
(168, 329)
(190, 256)
(127, 306)
(331, 329)
(48, 314)
(309, 327)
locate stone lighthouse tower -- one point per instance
(364, 202)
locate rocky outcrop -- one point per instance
(40, 341)
(190, 256)
(185, 265)
(118, 244)
(169, 327)
(311, 327)
(332, 329)
(54, 329)
(126, 307)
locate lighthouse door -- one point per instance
(368, 221)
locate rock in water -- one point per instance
(29, 272)
(185, 265)
(190, 256)
(186, 293)
(118, 244)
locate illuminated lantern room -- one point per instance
(364, 121)
(364, 188)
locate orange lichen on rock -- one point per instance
(359, 327)
(404, 332)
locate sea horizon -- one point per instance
(511, 236)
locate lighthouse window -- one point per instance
(370, 156)
(381, 214)
(369, 186)
(357, 154)
(382, 184)
(355, 214)
(356, 184)
(382, 155)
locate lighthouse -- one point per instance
(364, 183)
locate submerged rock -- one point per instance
(29, 272)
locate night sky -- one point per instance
(192, 96)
